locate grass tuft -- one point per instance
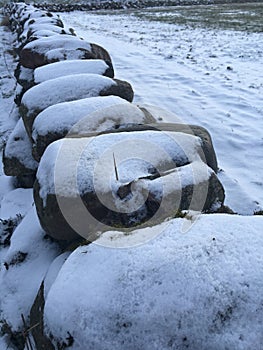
(5, 22)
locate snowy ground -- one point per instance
(208, 77)
(8, 114)
(205, 284)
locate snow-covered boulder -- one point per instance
(39, 34)
(19, 92)
(62, 68)
(15, 204)
(42, 27)
(194, 290)
(63, 54)
(41, 17)
(16, 11)
(35, 53)
(38, 31)
(41, 340)
(18, 14)
(159, 114)
(69, 88)
(36, 36)
(37, 18)
(24, 76)
(83, 117)
(37, 26)
(17, 156)
(88, 185)
(27, 77)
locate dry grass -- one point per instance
(5, 22)
(240, 16)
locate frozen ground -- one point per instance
(206, 283)
(204, 76)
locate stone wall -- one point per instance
(96, 161)
(68, 90)
(128, 4)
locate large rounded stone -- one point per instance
(62, 68)
(35, 53)
(84, 117)
(120, 180)
(17, 156)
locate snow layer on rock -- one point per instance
(167, 189)
(41, 34)
(31, 12)
(47, 26)
(60, 69)
(94, 114)
(26, 74)
(53, 271)
(66, 88)
(90, 163)
(43, 45)
(62, 54)
(199, 290)
(16, 202)
(124, 114)
(19, 146)
(41, 20)
(21, 278)
(36, 27)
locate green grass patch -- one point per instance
(239, 16)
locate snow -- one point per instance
(40, 27)
(19, 146)
(111, 117)
(43, 45)
(68, 88)
(61, 54)
(200, 90)
(39, 20)
(26, 74)
(59, 69)
(53, 271)
(6, 185)
(93, 114)
(39, 34)
(90, 165)
(20, 281)
(16, 202)
(199, 290)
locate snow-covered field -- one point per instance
(206, 77)
(196, 290)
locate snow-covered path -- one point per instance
(206, 77)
